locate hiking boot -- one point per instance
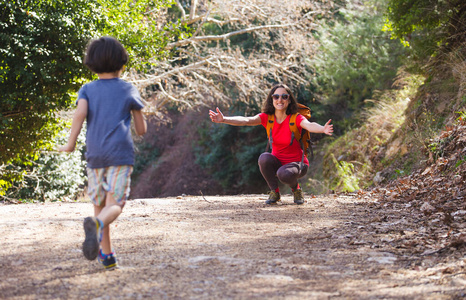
(93, 237)
(298, 196)
(109, 261)
(274, 197)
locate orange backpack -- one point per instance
(304, 138)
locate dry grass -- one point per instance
(397, 131)
(364, 147)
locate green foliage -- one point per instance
(146, 154)
(41, 45)
(355, 58)
(398, 174)
(136, 25)
(41, 48)
(461, 115)
(230, 153)
(367, 147)
(461, 161)
(426, 25)
(346, 181)
(48, 176)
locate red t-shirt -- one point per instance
(281, 136)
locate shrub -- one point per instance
(49, 176)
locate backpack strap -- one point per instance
(295, 134)
(268, 128)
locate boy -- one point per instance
(107, 104)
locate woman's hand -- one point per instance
(328, 128)
(216, 117)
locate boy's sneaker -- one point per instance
(274, 197)
(298, 196)
(109, 261)
(93, 237)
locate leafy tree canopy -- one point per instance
(41, 46)
(42, 43)
(142, 28)
(354, 59)
(427, 25)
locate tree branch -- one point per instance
(223, 36)
(183, 13)
(12, 113)
(153, 79)
(210, 20)
(201, 72)
(192, 12)
(159, 84)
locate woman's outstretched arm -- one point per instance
(218, 117)
(317, 128)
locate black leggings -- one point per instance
(273, 171)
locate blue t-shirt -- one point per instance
(108, 139)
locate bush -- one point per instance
(49, 176)
(354, 158)
(428, 27)
(230, 153)
(41, 49)
(355, 58)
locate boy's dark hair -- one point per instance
(105, 55)
(267, 105)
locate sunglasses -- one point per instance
(277, 96)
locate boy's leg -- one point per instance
(117, 185)
(108, 189)
(107, 215)
(92, 226)
(106, 256)
(97, 210)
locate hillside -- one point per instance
(405, 133)
(174, 171)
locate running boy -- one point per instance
(107, 105)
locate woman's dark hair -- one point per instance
(267, 105)
(105, 55)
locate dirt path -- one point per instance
(341, 247)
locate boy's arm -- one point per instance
(317, 128)
(78, 119)
(139, 122)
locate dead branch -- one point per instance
(223, 36)
(192, 13)
(183, 12)
(203, 69)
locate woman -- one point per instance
(284, 163)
